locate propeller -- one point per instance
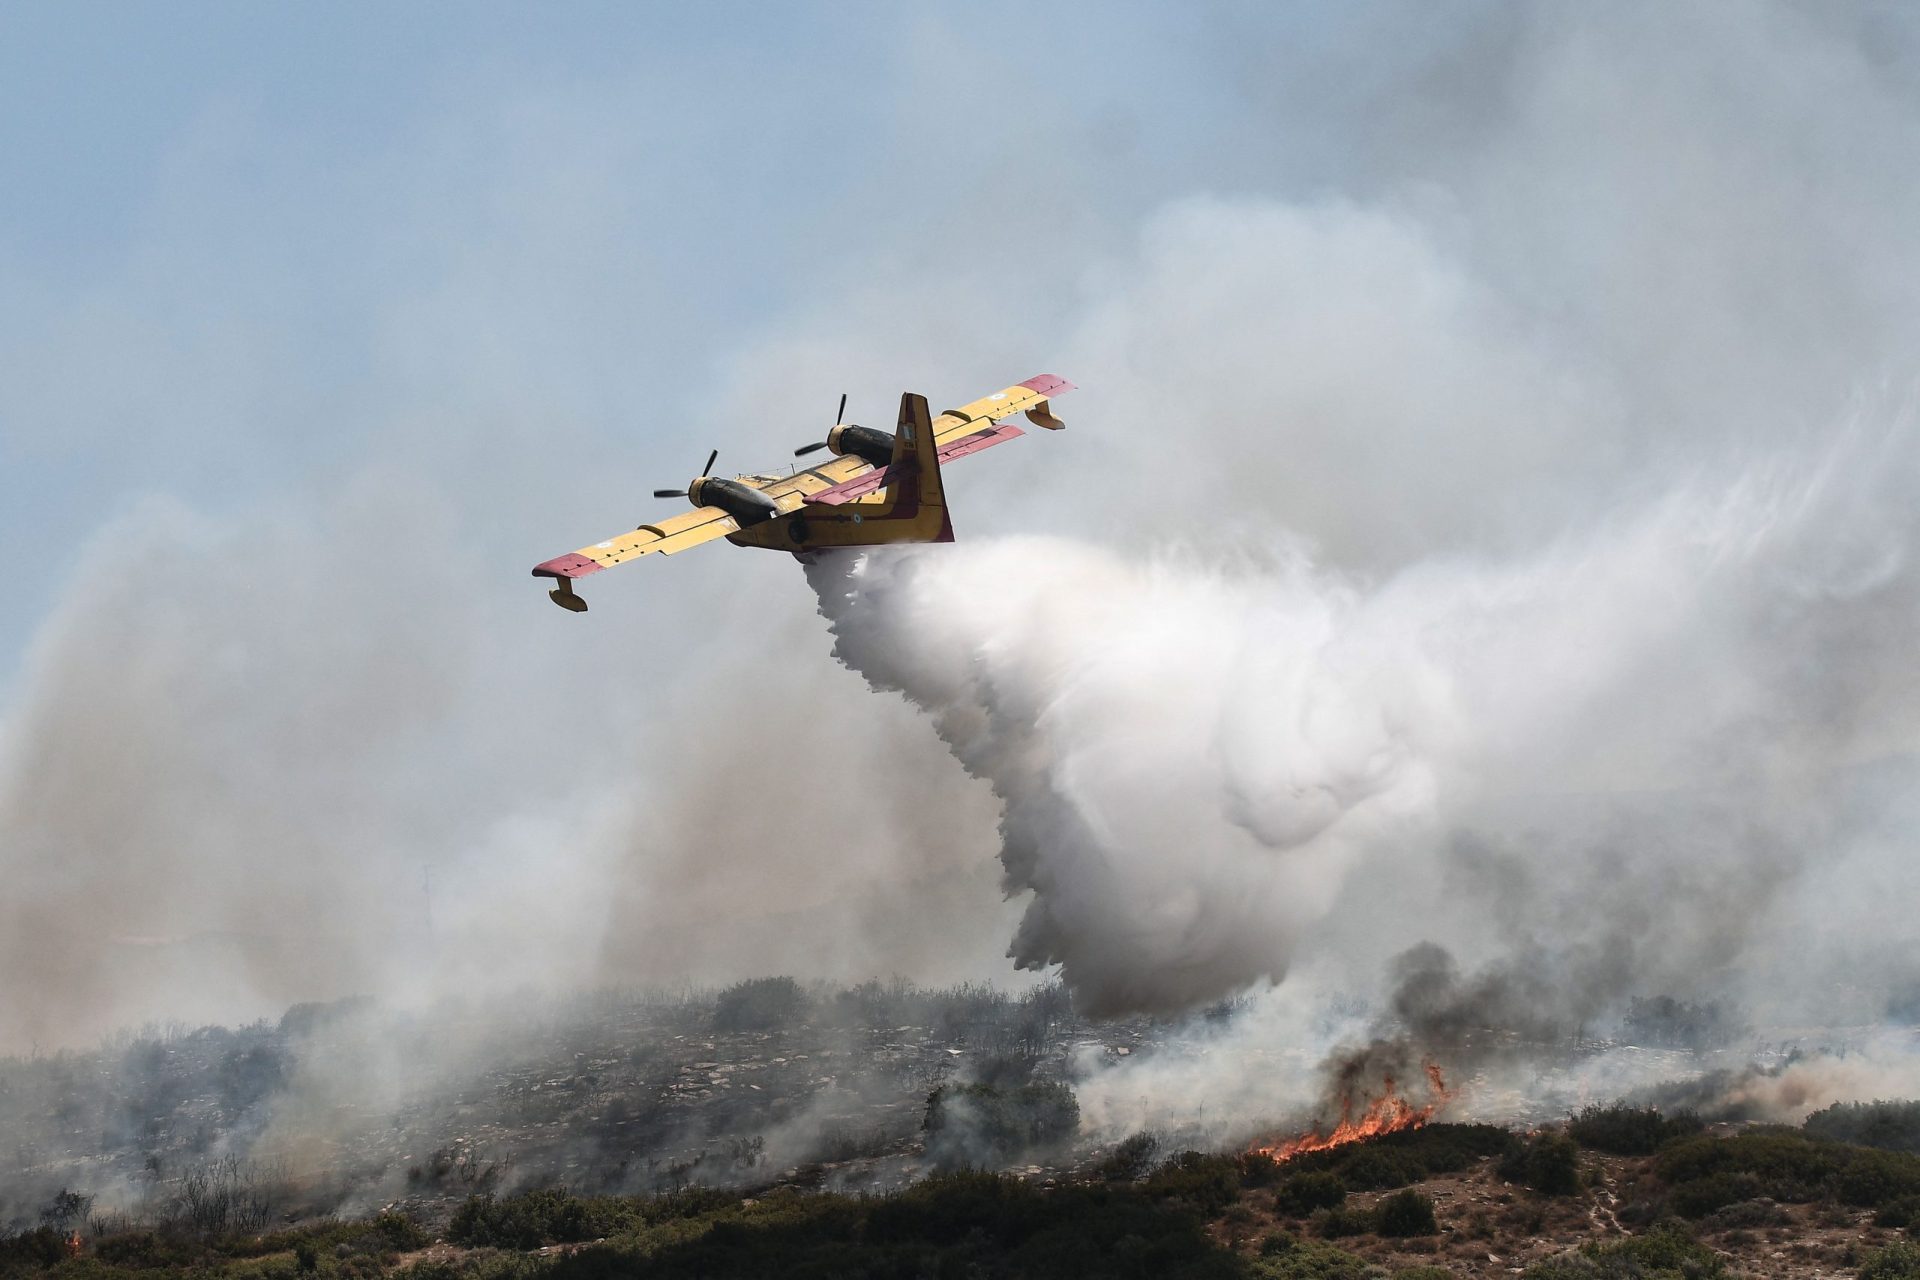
(821, 444)
(681, 493)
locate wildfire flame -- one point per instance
(1387, 1113)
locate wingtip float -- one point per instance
(877, 488)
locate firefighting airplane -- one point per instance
(877, 488)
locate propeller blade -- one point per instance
(710, 458)
(669, 493)
(842, 412)
(809, 448)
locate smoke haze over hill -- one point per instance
(1487, 521)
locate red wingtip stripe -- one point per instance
(1047, 384)
(571, 565)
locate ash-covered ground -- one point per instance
(348, 1108)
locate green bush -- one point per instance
(1337, 1224)
(1205, 1183)
(1622, 1130)
(1301, 1194)
(34, 1250)
(1423, 1273)
(1665, 1253)
(526, 1221)
(1284, 1258)
(1900, 1213)
(1895, 1262)
(1406, 1213)
(1714, 1193)
(1891, 1126)
(1130, 1160)
(1708, 1173)
(1547, 1162)
(1258, 1169)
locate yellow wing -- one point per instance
(790, 492)
(1029, 397)
(702, 524)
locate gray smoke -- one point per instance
(1486, 521)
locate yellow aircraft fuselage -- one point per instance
(875, 490)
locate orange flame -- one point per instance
(1387, 1113)
(75, 1245)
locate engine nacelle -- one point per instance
(865, 443)
(745, 504)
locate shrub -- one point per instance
(1747, 1213)
(1206, 1183)
(1406, 1213)
(527, 1221)
(1714, 1193)
(976, 1124)
(1258, 1169)
(1301, 1194)
(399, 1232)
(1377, 1169)
(1336, 1224)
(1891, 1126)
(1708, 1173)
(1666, 1251)
(1423, 1273)
(1622, 1130)
(1129, 1160)
(1285, 1258)
(1900, 1213)
(759, 1004)
(35, 1250)
(1895, 1262)
(1547, 1162)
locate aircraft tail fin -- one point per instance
(916, 485)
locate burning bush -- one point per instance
(1624, 1130)
(1408, 1156)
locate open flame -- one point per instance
(1387, 1113)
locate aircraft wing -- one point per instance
(690, 529)
(958, 432)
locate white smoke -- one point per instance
(1199, 756)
